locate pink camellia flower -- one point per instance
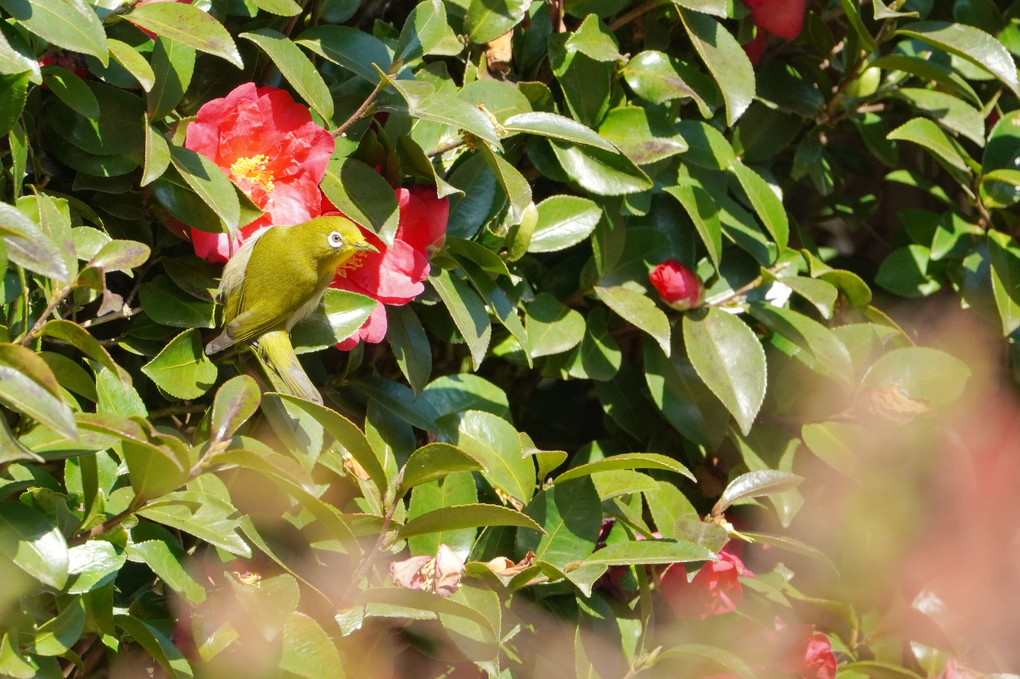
(715, 589)
(439, 574)
(268, 144)
(395, 274)
(678, 285)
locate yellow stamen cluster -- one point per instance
(254, 169)
(353, 262)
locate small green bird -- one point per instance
(275, 280)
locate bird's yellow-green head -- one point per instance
(327, 242)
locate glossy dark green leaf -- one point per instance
(952, 113)
(410, 345)
(133, 62)
(167, 304)
(586, 83)
(625, 461)
(308, 651)
(706, 146)
(545, 124)
(182, 369)
(563, 221)
(155, 469)
(973, 44)
(766, 204)
(601, 172)
(71, 24)
(434, 461)
(210, 183)
(156, 644)
(427, 102)
(462, 392)
(453, 489)
(600, 352)
(467, 311)
(905, 272)
(189, 25)
(173, 64)
(33, 543)
(426, 31)
(515, 186)
(704, 215)
(235, 402)
(1004, 260)
(946, 150)
(298, 70)
(638, 309)
(355, 50)
(552, 327)
(593, 39)
(165, 562)
(827, 353)
(27, 385)
(649, 552)
(571, 516)
(755, 484)
(725, 59)
(495, 443)
(93, 564)
(644, 136)
(203, 515)
(467, 516)
(28, 246)
(83, 341)
(729, 359)
(653, 77)
(339, 317)
(57, 635)
(362, 194)
(71, 90)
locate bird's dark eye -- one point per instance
(335, 239)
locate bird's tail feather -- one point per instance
(282, 366)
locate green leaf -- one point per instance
(173, 64)
(495, 443)
(72, 90)
(27, 385)
(829, 354)
(766, 204)
(342, 313)
(624, 461)
(645, 136)
(426, 31)
(973, 44)
(83, 341)
(426, 102)
(945, 149)
(486, 21)
(552, 327)
(921, 373)
(563, 221)
(453, 489)
(464, 391)
(296, 68)
(725, 59)
(357, 51)
(94, 564)
(586, 83)
(704, 214)
(71, 24)
(188, 25)
(410, 345)
(729, 359)
(165, 562)
(287, 8)
(235, 402)
(156, 644)
(156, 469)
(649, 552)
(653, 77)
(593, 39)
(120, 255)
(571, 516)
(421, 601)
(57, 635)
(346, 434)
(905, 272)
(755, 484)
(516, 187)
(182, 369)
(434, 461)
(466, 516)
(28, 246)
(362, 194)
(947, 110)
(699, 653)
(167, 304)
(599, 171)
(209, 182)
(467, 311)
(555, 126)
(11, 106)
(34, 544)
(706, 146)
(1004, 261)
(205, 516)
(308, 651)
(600, 352)
(636, 308)
(135, 64)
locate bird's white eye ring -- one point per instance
(335, 239)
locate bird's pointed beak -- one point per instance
(366, 246)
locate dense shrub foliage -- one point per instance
(636, 383)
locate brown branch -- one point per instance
(104, 527)
(58, 297)
(357, 115)
(633, 14)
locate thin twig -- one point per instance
(440, 150)
(357, 115)
(366, 564)
(125, 312)
(104, 527)
(177, 410)
(58, 297)
(633, 14)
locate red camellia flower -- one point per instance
(395, 274)
(803, 652)
(267, 143)
(714, 590)
(784, 18)
(678, 285)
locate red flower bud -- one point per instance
(678, 285)
(784, 18)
